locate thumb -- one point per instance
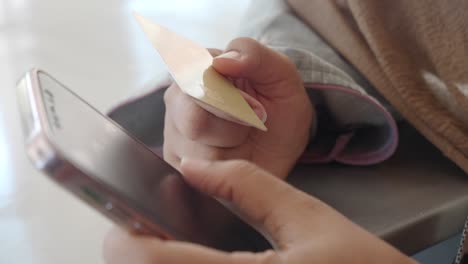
(246, 58)
(270, 205)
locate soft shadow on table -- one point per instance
(414, 200)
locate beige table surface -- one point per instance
(95, 48)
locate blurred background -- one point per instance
(97, 49)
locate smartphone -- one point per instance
(100, 163)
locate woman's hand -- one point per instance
(271, 79)
(301, 228)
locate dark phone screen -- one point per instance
(104, 151)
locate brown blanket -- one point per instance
(414, 52)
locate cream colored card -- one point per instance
(190, 66)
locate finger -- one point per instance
(276, 209)
(247, 58)
(214, 52)
(123, 248)
(168, 147)
(177, 146)
(196, 123)
(256, 106)
(171, 158)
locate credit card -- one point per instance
(190, 65)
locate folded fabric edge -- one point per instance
(384, 152)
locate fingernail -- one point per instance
(258, 108)
(261, 113)
(233, 55)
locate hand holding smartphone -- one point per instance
(100, 163)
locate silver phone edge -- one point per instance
(47, 158)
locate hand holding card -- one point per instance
(265, 82)
(191, 67)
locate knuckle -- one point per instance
(243, 167)
(171, 158)
(271, 219)
(195, 124)
(252, 50)
(247, 45)
(215, 52)
(266, 257)
(307, 204)
(269, 257)
(232, 185)
(168, 94)
(311, 205)
(187, 118)
(215, 153)
(169, 148)
(244, 41)
(168, 134)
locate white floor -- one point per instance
(95, 48)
